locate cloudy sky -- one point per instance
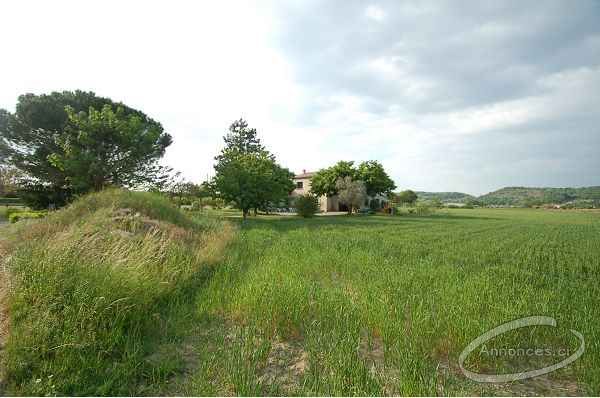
(449, 96)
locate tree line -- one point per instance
(56, 147)
(247, 174)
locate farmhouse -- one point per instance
(329, 203)
(326, 204)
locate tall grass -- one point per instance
(369, 305)
(384, 305)
(92, 287)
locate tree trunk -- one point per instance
(244, 214)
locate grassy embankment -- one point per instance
(332, 305)
(99, 291)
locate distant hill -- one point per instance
(520, 196)
(445, 197)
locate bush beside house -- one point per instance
(307, 205)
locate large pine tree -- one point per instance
(69, 143)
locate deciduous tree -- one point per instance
(408, 197)
(9, 180)
(370, 172)
(324, 181)
(375, 178)
(247, 174)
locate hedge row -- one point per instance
(11, 202)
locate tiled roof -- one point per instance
(304, 175)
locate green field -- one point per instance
(361, 305)
(417, 289)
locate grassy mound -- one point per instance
(91, 290)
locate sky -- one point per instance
(448, 96)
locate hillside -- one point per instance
(522, 196)
(519, 196)
(445, 197)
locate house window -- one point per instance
(299, 185)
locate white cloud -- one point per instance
(427, 99)
(375, 12)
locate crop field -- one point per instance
(361, 305)
(384, 305)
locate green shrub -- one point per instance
(13, 217)
(12, 210)
(215, 203)
(424, 208)
(40, 196)
(10, 202)
(307, 205)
